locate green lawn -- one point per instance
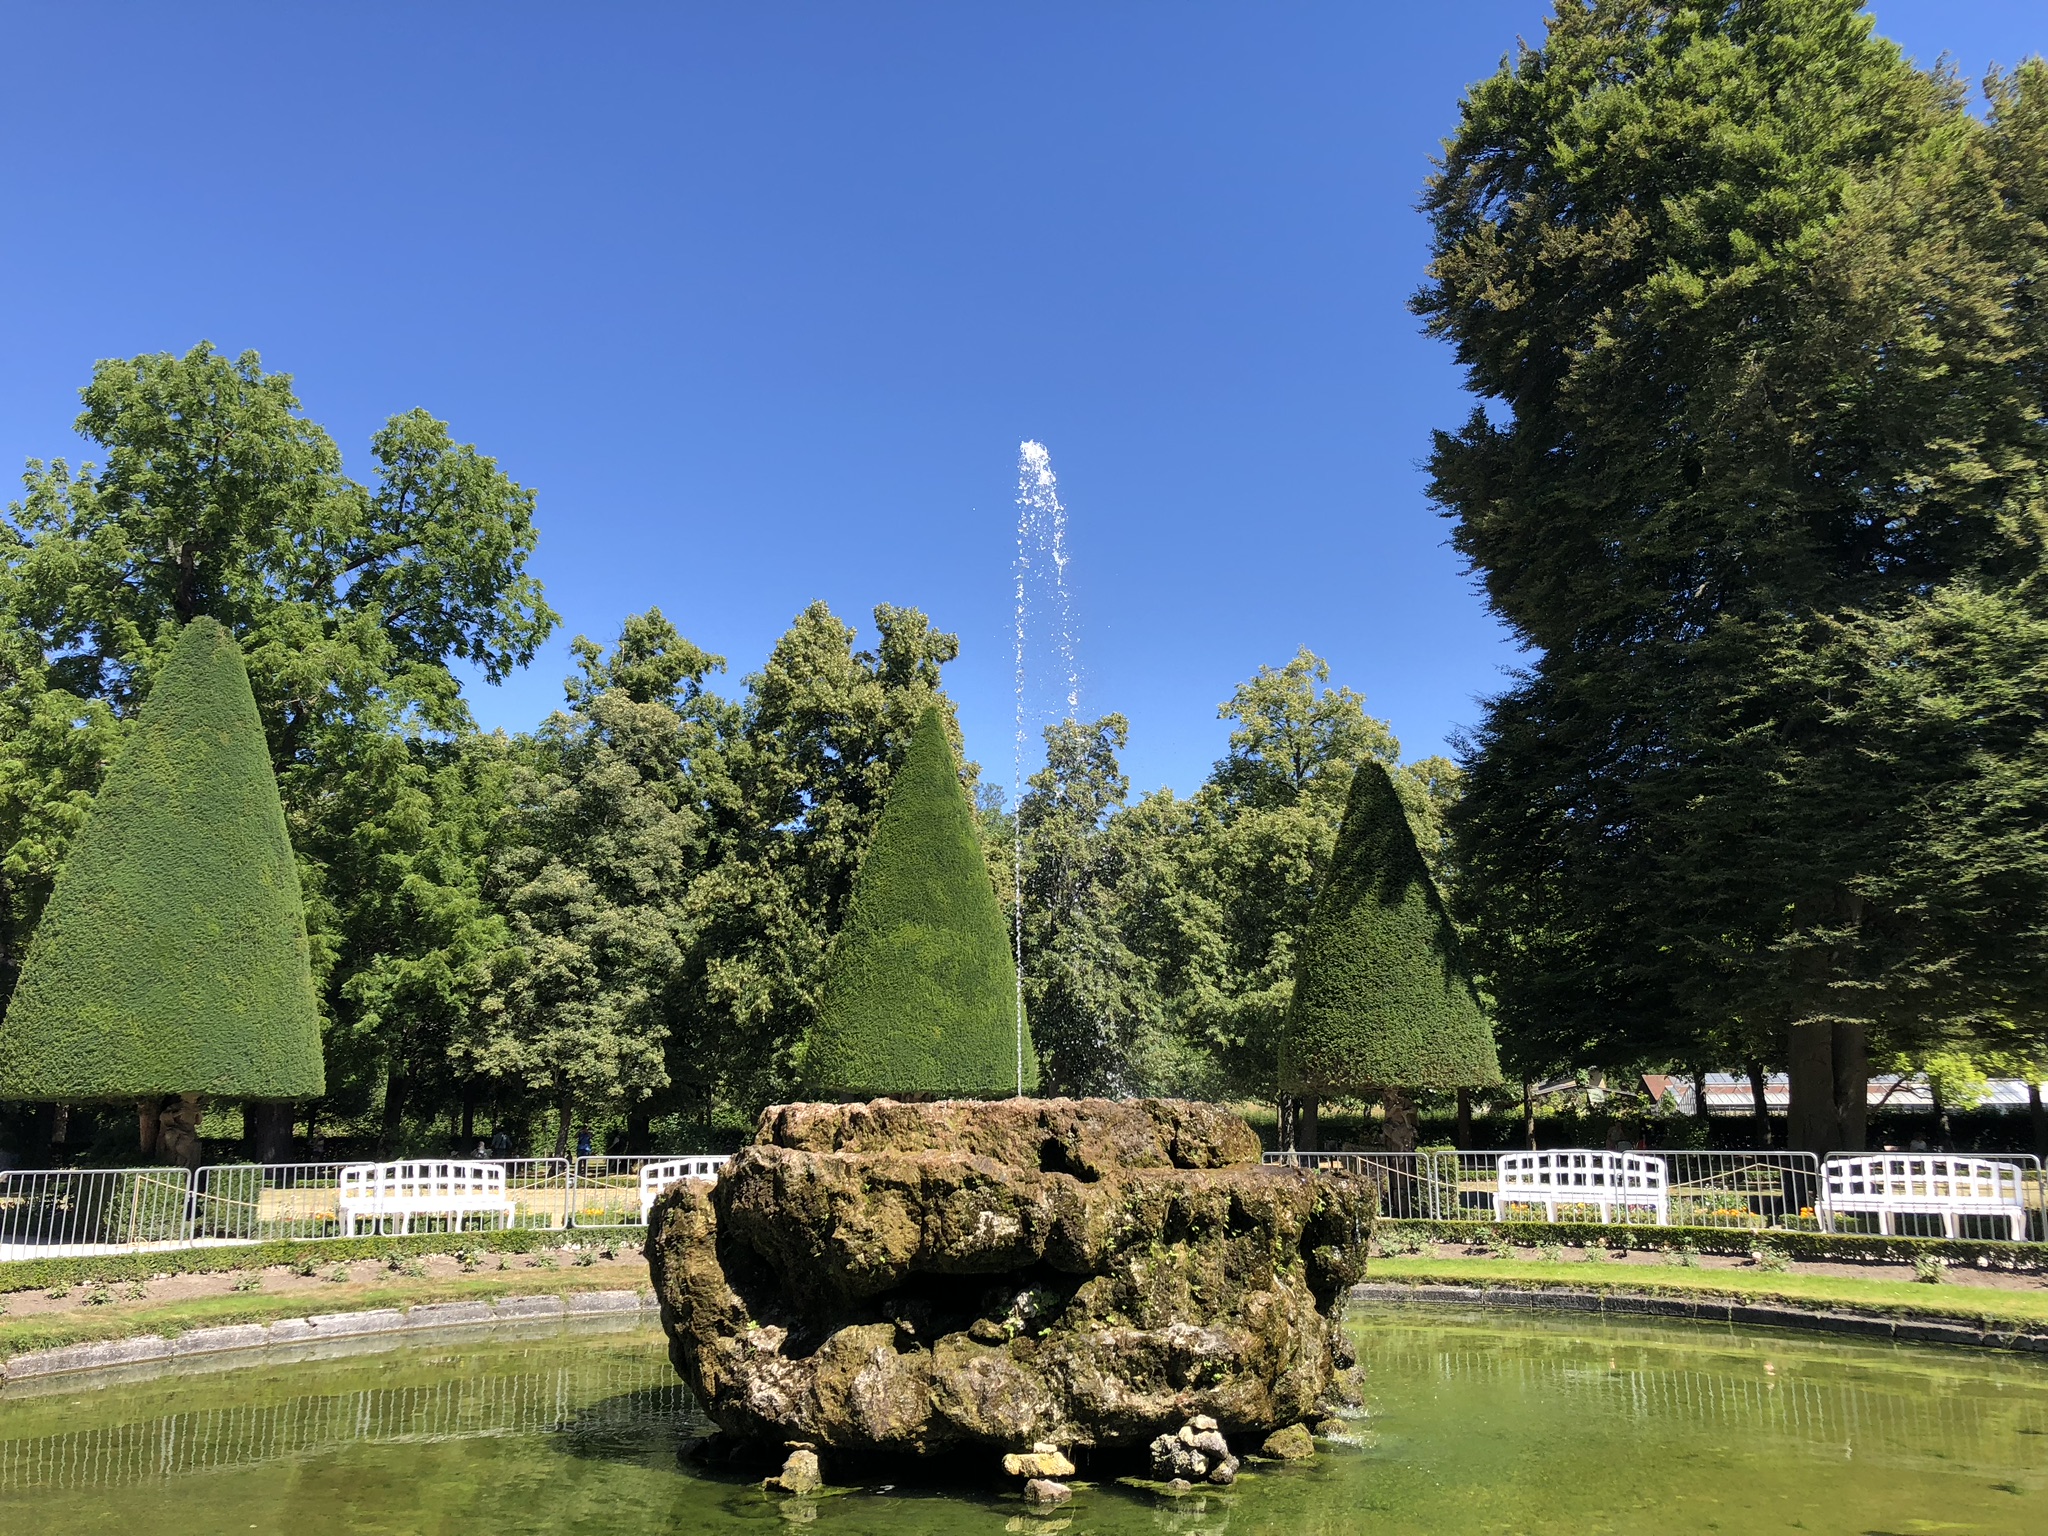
(125, 1319)
(1971, 1303)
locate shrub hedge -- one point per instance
(172, 957)
(1808, 1247)
(1381, 998)
(920, 987)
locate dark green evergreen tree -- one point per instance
(920, 989)
(1381, 999)
(172, 957)
(1755, 306)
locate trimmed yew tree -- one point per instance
(920, 993)
(171, 962)
(1382, 1004)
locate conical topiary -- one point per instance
(920, 986)
(1380, 998)
(172, 956)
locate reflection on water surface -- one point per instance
(1475, 1426)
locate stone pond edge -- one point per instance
(151, 1348)
(1711, 1309)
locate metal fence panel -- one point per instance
(538, 1188)
(72, 1212)
(1756, 1190)
(262, 1202)
(605, 1191)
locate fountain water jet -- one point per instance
(1040, 574)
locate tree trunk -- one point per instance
(1464, 1120)
(1759, 1104)
(563, 1110)
(1699, 1094)
(2038, 1113)
(1810, 1124)
(1283, 1133)
(468, 1116)
(178, 1129)
(1529, 1113)
(393, 1122)
(1852, 1086)
(146, 1112)
(267, 1131)
(1401, 1132)
(1307, 1129)
(1940, 1112)
(639, 1132)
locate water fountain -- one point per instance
(1040, 572)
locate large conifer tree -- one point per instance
(1755, 306)
(1381, 999)
(172, 958)
(920, 987)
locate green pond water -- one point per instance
(1475, 1425)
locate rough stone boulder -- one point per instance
(908, 1277)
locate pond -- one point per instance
(1476, 1425)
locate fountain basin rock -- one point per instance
(907, 1277)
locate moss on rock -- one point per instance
(962, 1286)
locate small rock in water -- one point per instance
(1046, 1463)
(1045, 1493)
(1194, 1454)
(1179, 1485)
(1290, 1444)
(1329, 1429)
(799, 1473)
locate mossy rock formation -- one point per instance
(902, 1278)
(920, 987)
(172, 958)
(1381, 999)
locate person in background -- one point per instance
(501, 1144)
(583, 1143)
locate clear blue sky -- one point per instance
(761, 298)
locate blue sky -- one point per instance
(762, 298)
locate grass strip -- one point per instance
(1897, 1298)
(22, 1335)
(113, 1268)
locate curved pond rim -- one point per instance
(1708, 1308)
(456, 1336)
(390, 1325)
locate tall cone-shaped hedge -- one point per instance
(172, 956)
(920, 986)
(1380, 999)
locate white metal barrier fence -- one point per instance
(71, 1212)
(1763, 1191)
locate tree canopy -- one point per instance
(1754, 306)
(920, 989)
(1381, 998)
(172, 957)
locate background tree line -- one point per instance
(1754, 312)
(621, 916)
